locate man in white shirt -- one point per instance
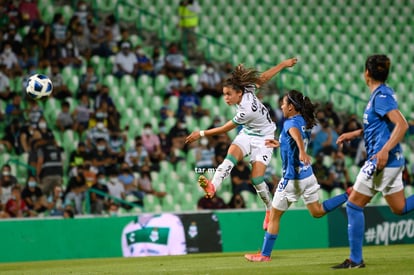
(125, 61)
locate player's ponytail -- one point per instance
(242, 77)
(304, 106)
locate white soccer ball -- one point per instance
(39, 86)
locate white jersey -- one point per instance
(162, 235)
(253, 115)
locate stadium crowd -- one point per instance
(103, 154)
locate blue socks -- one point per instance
(356, 227)
(269, 241)
(409, 205)
(332, 203)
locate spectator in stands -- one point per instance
(89, 83)
(210, 82)
(188, 11)
(11, 138)
(82, 10)
(176, 85)
(204, 155)
(137, 156)
(79, 156)
(112, 31)
(99, 203)
(30, 14)
(81, 114)
(95, 133)
(98, 42)
(35, 141)
(45, 131)
(5, 93)
(49, 166)
(9, 58)
(15, 206)
(116, 144)
(33, 196)
(104, 95)
(14, 109)
(80, 40)
(341, 177)
(145, 65)
(215, 203)
(165, 142)
(350, 148)
(115, 187)
(165, 110)
(322, 173)
(75, 190)
(152, 145)
(68, 213)
(34, 111)
(26, 134)
(45, 40)
(31, 49)
(330, 113)
(325, 140)
(158, 61)
(101, 157)
(237, 202)
(240, 178)
(7, 181)
(125, 37)
(59, 29)
(60, 89)
(55, 202)
(189, 104)
(64, 120)
(130, 182)
(220, 149)
(175, 62)
(177, 135)
(125, 62)
(145, 183)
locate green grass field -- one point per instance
(395, 259)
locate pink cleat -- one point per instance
(258, 257)
(207, 186)
(266, 220)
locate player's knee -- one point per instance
(397, 210)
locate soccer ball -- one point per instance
(39, 86)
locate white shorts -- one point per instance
(255, 147)
(292, 190)
(388, 181)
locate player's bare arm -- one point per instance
(267, 75)
(303, 157)
(230, 125)
(272, 143)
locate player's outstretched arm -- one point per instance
(230, 125)
(267, 75)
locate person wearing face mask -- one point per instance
(115, 187)
(49, 166)
(45, 131)
(99, 203)
(144, 62)
(152, 144)
(209, 82)
(125, 62)
(7, 181)
(55, 202)
(81, 114)
(60, 89)
(204, 154)
(98, 132)
(15, 206)
(10, 60)
(102, 158)
(33, 196)
(177, 135)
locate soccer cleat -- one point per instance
(349, 264)
(207, 186)
(266, 220)
(258, 257)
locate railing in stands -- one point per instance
(99, 192)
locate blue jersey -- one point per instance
(292, 167)
(378, 128)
